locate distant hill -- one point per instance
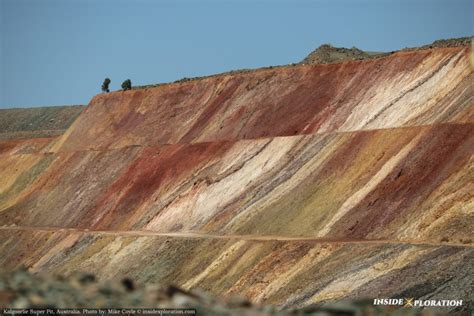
(328, 54)
(37, 122)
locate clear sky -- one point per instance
(55, 52)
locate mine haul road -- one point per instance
(257, 238)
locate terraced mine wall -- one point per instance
(289, 186)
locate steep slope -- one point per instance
(319, 185)
(403, 89)
(290, 186)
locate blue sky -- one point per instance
(57, 52)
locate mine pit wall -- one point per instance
(389, 184)
(380, 149)
(404, 89)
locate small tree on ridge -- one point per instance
(127, 85)
(105, 85)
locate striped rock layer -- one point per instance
(289, 186)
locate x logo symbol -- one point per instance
(409, 302)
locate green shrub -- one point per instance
(105, 85)
(127, 85)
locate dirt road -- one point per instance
(262, 238)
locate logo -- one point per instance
(409, 302)
(412, 302)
